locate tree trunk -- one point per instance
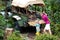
(8, 32)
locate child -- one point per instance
(47, 22)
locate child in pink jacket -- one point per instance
(47, 22)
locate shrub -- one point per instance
(10, 23)
(1, 34)
(2, 21)
(2, 26)
(46, 37)
(55, 29)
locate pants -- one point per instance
(37, 27)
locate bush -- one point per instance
(1, 34)
(55, 29)
(2, 21)
(2, 26)
(46, 37)
(10, 23)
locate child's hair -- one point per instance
(43, 13)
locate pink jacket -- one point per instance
(45, 18)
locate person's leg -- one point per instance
(47, 29)
(50, 32)
(37, 29)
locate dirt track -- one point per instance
(28, 36)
